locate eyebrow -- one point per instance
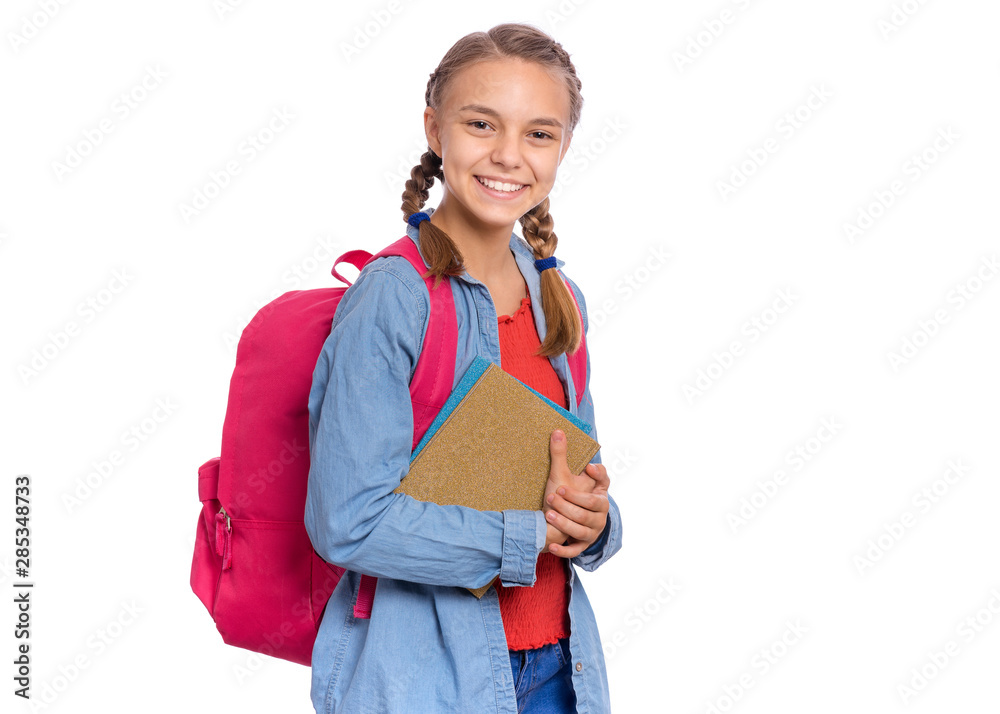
(483, 109)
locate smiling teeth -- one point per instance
(496, 186)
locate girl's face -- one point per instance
(503, 121)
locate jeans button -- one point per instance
(579, 666)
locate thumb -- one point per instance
(557, 450)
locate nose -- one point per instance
(507, 150)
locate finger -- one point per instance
(592, 501)
(569, 510)
(570, 550)
(600, 474)
(557, 450)
(554, 535)
(574, 529)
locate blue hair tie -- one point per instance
(545, 263)
(417, 218)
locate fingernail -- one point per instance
(551, 498)
(557, 435)
(551, 515)
(561, 491)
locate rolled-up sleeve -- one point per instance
(360, 438)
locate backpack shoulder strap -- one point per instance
(434, 375)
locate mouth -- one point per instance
(500, 189)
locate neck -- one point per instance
(485, 248)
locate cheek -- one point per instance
(460, 154)
(545, 172)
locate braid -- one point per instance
(421, 179)
(438, 250)
(564, 328)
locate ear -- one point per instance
(432, 130)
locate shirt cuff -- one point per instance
(523, 540)
(541, 530)
(602, 540)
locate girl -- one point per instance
(501, 109)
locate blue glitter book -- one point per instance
(471, 376)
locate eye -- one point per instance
(478, 121)
(541, 135)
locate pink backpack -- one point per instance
(254, 567)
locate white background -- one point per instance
(691, 600)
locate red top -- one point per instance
(538, 615)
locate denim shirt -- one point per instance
(430, 645)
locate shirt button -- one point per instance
(579, 666)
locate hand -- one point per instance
(559, 473)
(576, 505)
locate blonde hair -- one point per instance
(564, 329)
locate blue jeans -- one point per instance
(543, 679)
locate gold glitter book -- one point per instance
(488, 449)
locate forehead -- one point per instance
(513, 88)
